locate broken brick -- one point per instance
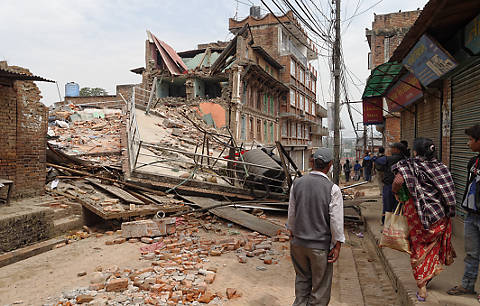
(232, 293)
(119, 240)
(96, 287)
(210, 278)
(146, 240)
(117, 284)
(206, 298)
(84, 298)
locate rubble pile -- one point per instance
(179, 133)
(105, 202)
(180, 273)
(91, 133)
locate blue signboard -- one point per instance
(427, 61)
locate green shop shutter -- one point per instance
(465, 113)
(265, 131)
(271, 132)
(265, 103)
(271, 105)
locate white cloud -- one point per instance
(96, 43)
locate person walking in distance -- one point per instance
(367, 167)
(380, 162)
(471, 203)
(315, 224)
(347, 168)
(388, 198)
(357, 168)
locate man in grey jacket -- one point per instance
(315, 223)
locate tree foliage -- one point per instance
(88, 92)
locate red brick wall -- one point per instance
(109, 101)
(395, 26)
(8, 117)
(267, 38)
(391, 133)
(23, 122)
(126, 91)
(31, 141)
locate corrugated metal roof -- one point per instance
(381, 79)
(173, 62)
(194, 62)
(4, 73)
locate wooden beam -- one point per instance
(237, 216)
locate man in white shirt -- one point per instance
(315, 223)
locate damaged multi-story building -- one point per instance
(260, 84)
(300, 117)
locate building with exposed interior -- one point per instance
(300, 116)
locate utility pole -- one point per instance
(336, 65)
(365, 136)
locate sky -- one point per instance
(95, 43)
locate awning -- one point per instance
(381, 79)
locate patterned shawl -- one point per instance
(431, 186)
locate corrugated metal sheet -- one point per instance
(465, 113)
(173, 62)
(407, 125)
(5, 73)
(194, 62)
(429, 120)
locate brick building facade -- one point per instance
(23, 122)
(388, 31)
(300, 116)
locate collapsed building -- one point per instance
(261, 79)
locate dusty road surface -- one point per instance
(198, 263)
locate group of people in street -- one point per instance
(424, 187)
(367, 166)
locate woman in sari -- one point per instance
(425, 186)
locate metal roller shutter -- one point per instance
(429, 120)
(465, 113)
(407, 125)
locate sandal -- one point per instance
(420, 298)
(459, 290)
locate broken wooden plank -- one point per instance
(153, 182)
(237, 216)
(116, 191)
(58, 167)
(143, 210)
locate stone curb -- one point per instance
(396, 273)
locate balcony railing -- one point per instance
(289, 48)
(320, 131)
(320, 111)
